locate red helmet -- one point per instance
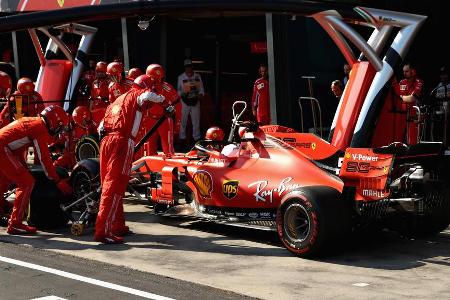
(143, 82)
(114, 71)
(134, 73)
(100, 67)
(81, 116)
(5, 84)
(214, 134)
(55, 118)
(25, 85)
(156, 72)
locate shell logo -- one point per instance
(347, 155)
(203, 181)
(60, 3)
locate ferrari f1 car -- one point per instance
(310, 190)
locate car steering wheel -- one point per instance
(202, 146)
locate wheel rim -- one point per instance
(81, 184)
(87, 150)
(297, 223)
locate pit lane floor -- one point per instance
(254, 263)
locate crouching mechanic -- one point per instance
(120, 127)
(15, 138)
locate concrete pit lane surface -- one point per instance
(237, 262)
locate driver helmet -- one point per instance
(5, 84)
(25, 85)
(56, 119)
(114, 71)
(214, 134)
(81, 116)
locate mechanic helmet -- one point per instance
(114, 71)
(5, 84)
(55, 118)
(214, 134)
(134, 73)
(100, 69)
(143, 82)
(25, 85)
(156, 72)
(81, 116)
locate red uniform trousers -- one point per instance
(165, 132)
(116, 156)
(14, 170)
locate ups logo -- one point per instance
(230, 188)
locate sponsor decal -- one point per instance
(362, 157)
(253, 215)
(260, 86)
(313, 146)
(61, 3)
(263, 195)
(373, 193)
(362, 167)
(241, 214)
(230, 188)
(385, 169)
(204, 183)
(347, 155)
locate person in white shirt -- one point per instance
(191, 90)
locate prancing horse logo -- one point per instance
(61, 3)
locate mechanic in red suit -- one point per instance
(25, 102)
(14, 138)
(165, 130)
(410, 90)
(99, 89)
(5, 90)
(118, 85)
(134, 73)
(82, 125)
(261, 97)
(120, 127)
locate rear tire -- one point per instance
(307, 222)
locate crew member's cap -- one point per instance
(187, 62)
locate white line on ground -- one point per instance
(49, 298)
(101, 283)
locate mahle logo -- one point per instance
(61, 3)
(230, 188)
(203, 181)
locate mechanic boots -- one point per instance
(20, 229)
(110, 239)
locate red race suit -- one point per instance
(121, 124)
(165, 130)
(118, 88)
(261, 101)
(15, 138)
(410, 87)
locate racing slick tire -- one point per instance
(85, 179)
(87, 147)
(44, 210)
(310, 220)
